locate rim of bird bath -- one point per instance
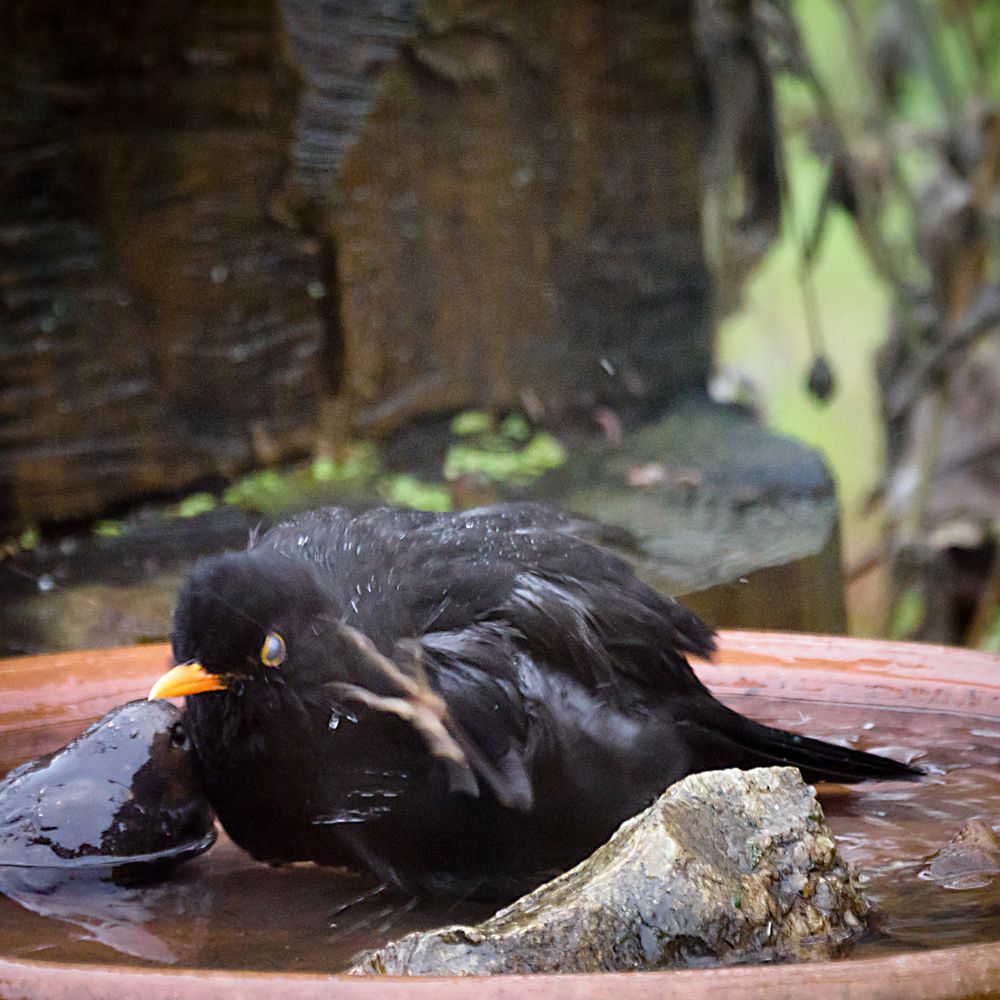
(48, 698)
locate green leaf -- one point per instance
(109, 529)
(408, 491)
(472, 422)
(29, 539)
(516, 427)
(197, 503)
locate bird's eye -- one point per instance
(273, 651)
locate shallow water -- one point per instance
(224, 910)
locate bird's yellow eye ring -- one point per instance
(273, 652)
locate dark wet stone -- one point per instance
(727, 866)
(120, 800)
(714, 508)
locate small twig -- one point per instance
(919, 19)
(428, 713)
(408, 685)
(868, 562)
(980, 319)
(810, 304)
(930, 448)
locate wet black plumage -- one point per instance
(468, 703)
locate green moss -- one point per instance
(29, 539)
(472, 422)
(197, 503)
(109, 529)
(500, 460)
(408, 491)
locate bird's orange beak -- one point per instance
(186, 678)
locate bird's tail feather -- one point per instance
(763, 746)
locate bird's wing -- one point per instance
(456, 692)
(574, 605)
(402, 574)
(475, 670)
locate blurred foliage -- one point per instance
(29, 539)
(908, 613)
(890, 241)
(991, 640)
(507, 452)
(409, 491)
(501, 450)
(472, 422)
(109, 529)
(197, 503)
(358, 461)
(276, 491)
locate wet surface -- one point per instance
(224, 910)
(120, 801)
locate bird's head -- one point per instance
(246, 618)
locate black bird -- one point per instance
(463, 703)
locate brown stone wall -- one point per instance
(523, 205)
(215, 217)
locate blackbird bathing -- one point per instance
(463, 703)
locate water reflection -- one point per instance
(143, 922)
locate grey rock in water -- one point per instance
(726, 866)
(970, 860)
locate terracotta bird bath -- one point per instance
(940, 704)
